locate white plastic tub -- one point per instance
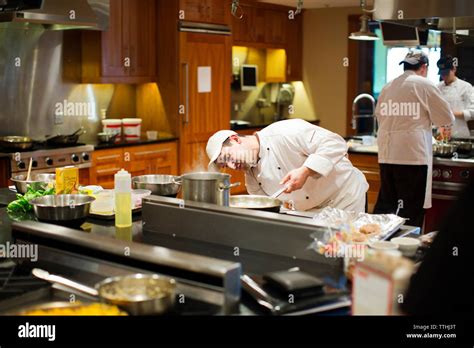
(113, 127)
(132, 128)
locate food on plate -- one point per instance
(94, 309)
(359, 238)
(370, 229)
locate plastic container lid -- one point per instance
(112, 122)
(132, 121)
(123, 181)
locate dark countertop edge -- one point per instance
(98, 146)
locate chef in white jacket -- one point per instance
(459, 94)
(406, 109)
(310, 161)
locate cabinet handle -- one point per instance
(289, 69)
(186, 92)
(104, 158)
(108, 171)
(148, 153)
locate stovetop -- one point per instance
(20, 290)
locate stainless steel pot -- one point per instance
(68, 209)
(213, 188)
(160, 185)
(138, 294)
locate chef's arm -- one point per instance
(468, 114)
(438, 108)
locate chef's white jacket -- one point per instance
(407, 139)
(291, 144)
(460, 96)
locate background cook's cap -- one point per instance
(214, 145)
(445, 65)
(415, 57)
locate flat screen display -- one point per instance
(399, 35)
(249, 77)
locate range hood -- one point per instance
(442, 15)
(55, 14)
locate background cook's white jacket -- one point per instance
(460, 96)
(290, 144)
(407, 140)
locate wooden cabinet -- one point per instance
(368, 164)
(294, 49)
(208, 111)
(272, 27)
(205, 11)
(276, 24)
(152, 159)
(137, 160)
(105, 164)
(126, 52)
(199, 112)
(250, 29)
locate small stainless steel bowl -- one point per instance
(38, 182)
(62, 208)
(159, 185)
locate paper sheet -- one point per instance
(204, 79)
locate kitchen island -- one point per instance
(209, 272)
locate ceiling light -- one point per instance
(364, 34)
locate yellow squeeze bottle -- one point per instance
(123, 199)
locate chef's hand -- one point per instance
(459, 114)
(296, 179)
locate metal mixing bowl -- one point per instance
(38, 182)
(62, 208)
(159, 185)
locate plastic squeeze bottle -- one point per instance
(123, 199)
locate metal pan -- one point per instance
(444, 150)
(464, 147)
(160, 185)
(66, 140)
(16, 143)
(256, 203)
(137, 294)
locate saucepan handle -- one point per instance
(223, 187)
(177, 181)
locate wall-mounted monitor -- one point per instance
(399, 35)
(248, 77)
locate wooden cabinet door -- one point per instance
(105, 164)
(141, 41)
(275, 27)
(205, 112)
(115, 42)
(251, 27)
(206, 11)
(294, 51)
(152, 159)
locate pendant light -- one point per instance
(364, 34)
